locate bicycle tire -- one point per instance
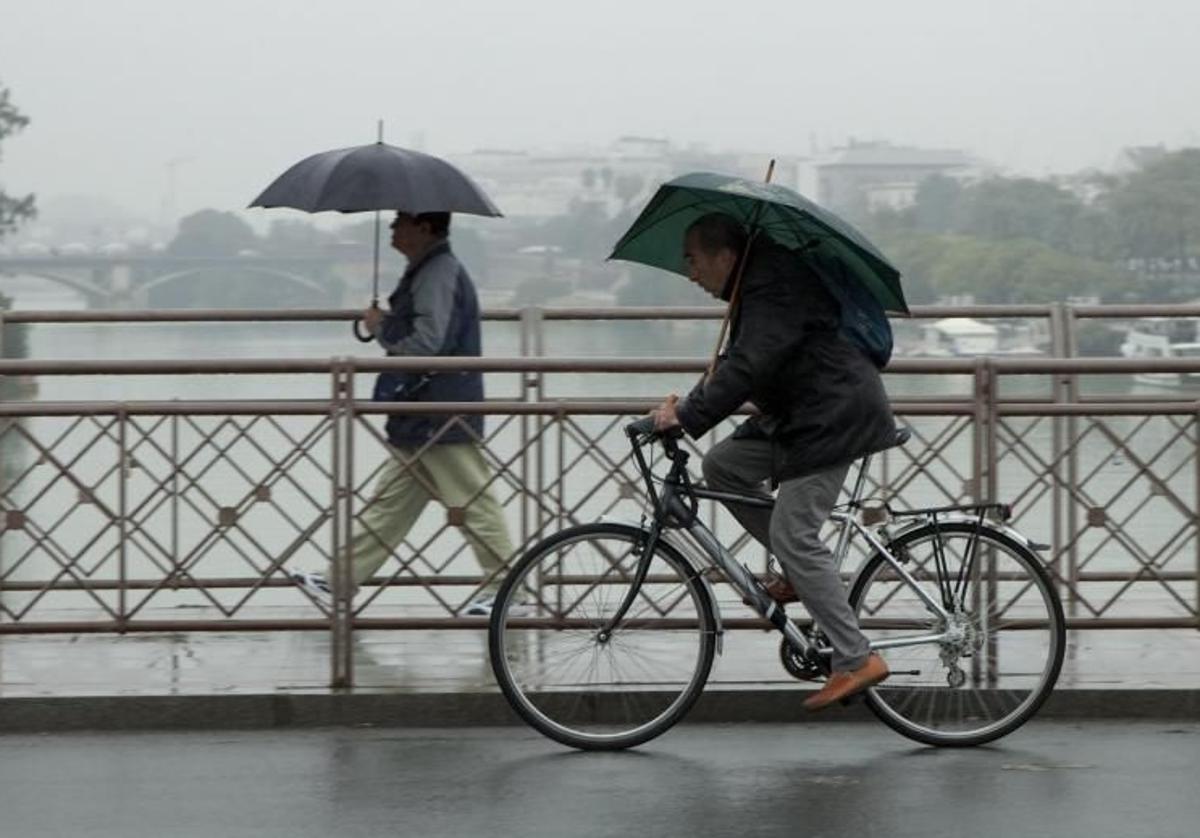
(1023, 571)
(525, 639)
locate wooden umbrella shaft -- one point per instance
(737, 286)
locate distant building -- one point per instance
(968, 337)
(1087, 185)
(1135, 157)
(539, 189)
(960, 336)
(543, 184)
(864, 177)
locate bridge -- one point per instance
(118, 281)
(183, 515)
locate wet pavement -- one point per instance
(1048, 779)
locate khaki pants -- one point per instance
(452, 474)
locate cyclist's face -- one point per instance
(708, 270)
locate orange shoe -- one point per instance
(844, 684)
(778, 588)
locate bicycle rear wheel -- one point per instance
(1001, 649)
(572, 683)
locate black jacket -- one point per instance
(821, 398)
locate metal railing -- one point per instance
(119, 516)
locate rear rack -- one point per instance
(1002, 511)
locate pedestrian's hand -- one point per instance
(371, 318)
(664, 415)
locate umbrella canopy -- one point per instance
(656, 236)
(376, 177)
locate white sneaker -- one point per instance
(481, 607)
(315, 584)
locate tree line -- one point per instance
(1133, 237)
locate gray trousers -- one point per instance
(791, 531)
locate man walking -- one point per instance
(822, 406)
(434, 311)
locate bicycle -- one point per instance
(603, 635)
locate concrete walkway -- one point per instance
(1048, 779)
(419, 678)
(215, 663)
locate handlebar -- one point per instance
(675, 504)
(644, 427)
(641, 427)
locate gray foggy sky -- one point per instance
(239, 89)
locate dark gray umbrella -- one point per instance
(376, 177)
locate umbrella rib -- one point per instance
(633, 233)
(319, 196)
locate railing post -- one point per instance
(1071, 392)
(560, 511)
(524, 327)
(981, 398)
(992, 422)
(122, 517)
(175, 568)
(1058, 384)
(985, 486)
(533, 345)
(3, 463)
(342, 620)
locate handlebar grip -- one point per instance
(640, 427)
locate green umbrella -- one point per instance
(656, 237)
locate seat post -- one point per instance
(843, 540)
(861, 480)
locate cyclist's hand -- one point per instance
(664, 415)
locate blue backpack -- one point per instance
(864, 322)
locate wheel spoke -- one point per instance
(579, 686)
(1017, 656)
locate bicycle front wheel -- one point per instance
(998, 652)
(567, 677)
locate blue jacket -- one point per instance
(434, 311)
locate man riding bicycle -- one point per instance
(822, 406)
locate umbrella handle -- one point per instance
(737, 283)
(358, 333)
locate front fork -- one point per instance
(671, 508)
(639, 577)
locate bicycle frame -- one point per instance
(569, 680)
(675, 508)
